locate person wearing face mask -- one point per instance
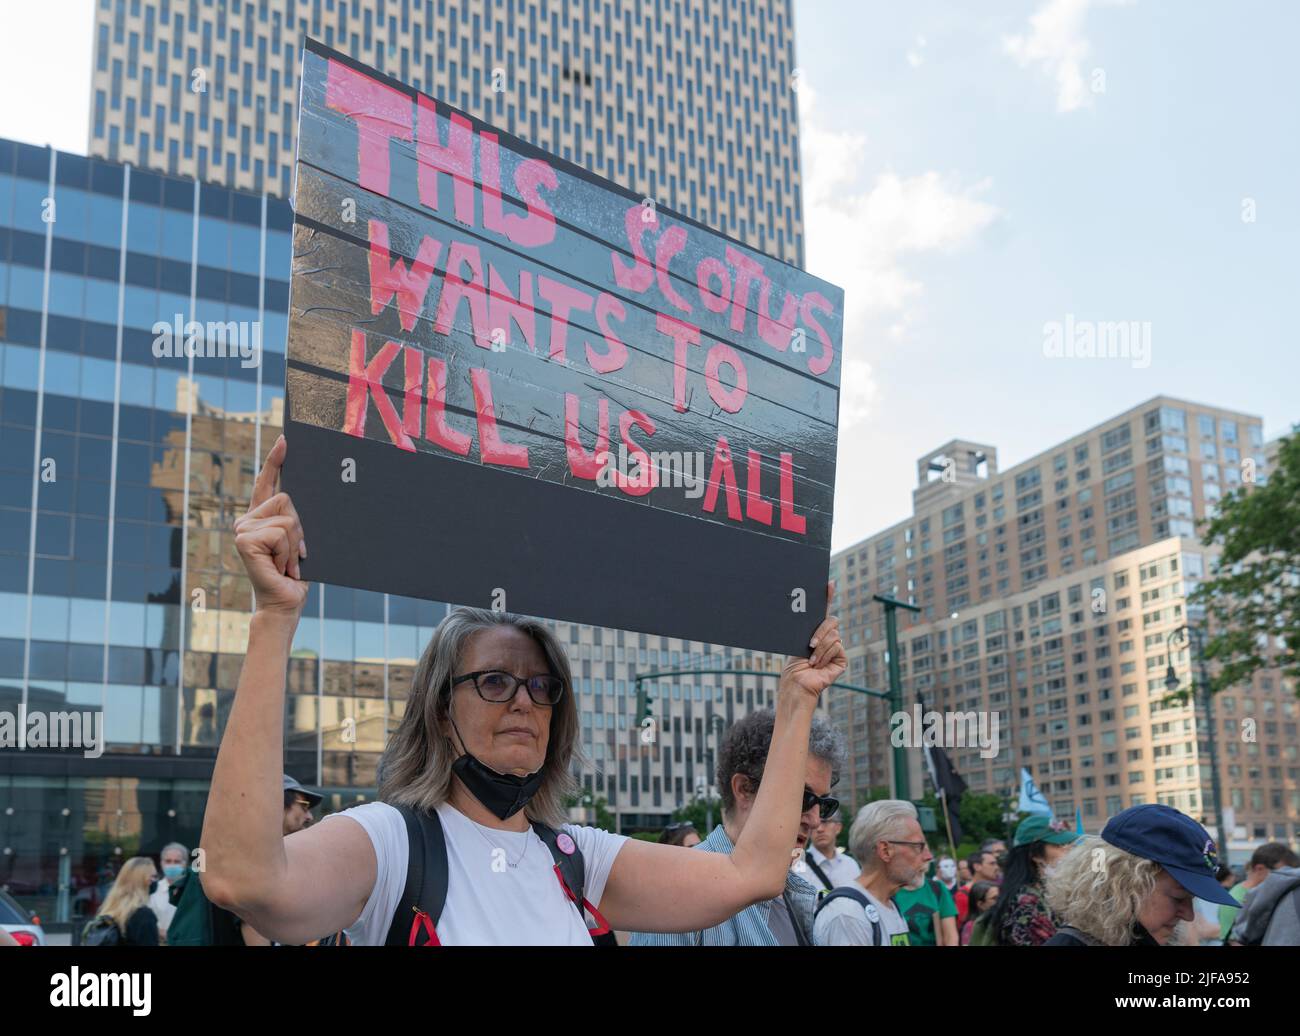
(946, 871)
(472, 792)
(1135, 884)
(125, 918)
(930, 912)
(173, 859)
(1022, 916)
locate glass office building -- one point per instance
(123, 464)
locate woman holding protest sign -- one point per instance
(467, 844)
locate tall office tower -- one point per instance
(1051, 597)
(689, 103)
(119, 587)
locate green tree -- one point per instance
(696, 812)
(1253, 597)
(604, 818)
(979, 815)
(981, 818)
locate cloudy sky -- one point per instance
(972, 173)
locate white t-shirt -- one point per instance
(488, 901)
(843, 922)
(841, 869)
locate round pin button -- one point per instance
(566, 844)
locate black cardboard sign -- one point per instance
(514, 384)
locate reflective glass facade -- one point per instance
(123, 463)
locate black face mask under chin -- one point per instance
(502, 794)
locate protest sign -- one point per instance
(514, 384)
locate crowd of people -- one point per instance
(467, 841)
(1148, 879)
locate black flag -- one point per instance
(947, 780)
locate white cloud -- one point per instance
(914, 56)
(1056, 44)
(859, 238)
(46, 57)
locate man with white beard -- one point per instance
(887, 840)
(930, 912)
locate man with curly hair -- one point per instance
(1134, 886)
(788, 919)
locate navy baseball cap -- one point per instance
(1176, 842)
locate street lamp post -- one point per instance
(1196, 637)
(902, 787)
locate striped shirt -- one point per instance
(749, 927)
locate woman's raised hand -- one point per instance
(270, 541)
(825, 664)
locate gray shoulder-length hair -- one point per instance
(415, 769)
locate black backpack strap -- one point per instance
(821, 874)
(859, 897)
(425, 892)
(571, 870)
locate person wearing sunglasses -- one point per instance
(474, 780)
(887, 840)
(745, 767)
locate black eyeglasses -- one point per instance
(680, 826)
(827, 806)
(917, 847)
(498, 687)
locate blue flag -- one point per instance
(1031, 799)
(1078, 822)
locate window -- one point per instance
(1115, 438)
